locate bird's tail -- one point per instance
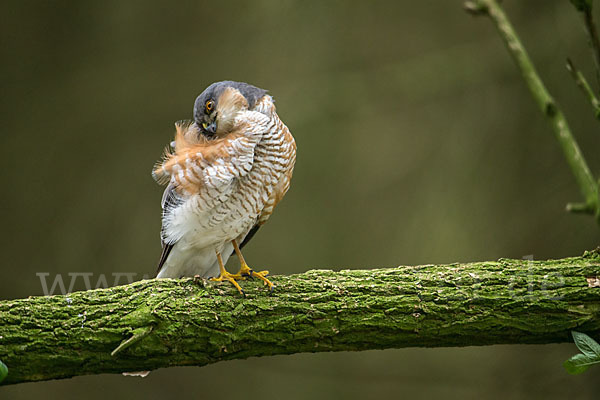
(193, 261)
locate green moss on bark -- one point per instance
(181, 322)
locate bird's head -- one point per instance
(216, 108)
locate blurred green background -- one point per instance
(418, 142)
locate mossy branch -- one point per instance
(160, 323)
(585, 180)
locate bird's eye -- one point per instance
(210, 105)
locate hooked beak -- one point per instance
(210, 128)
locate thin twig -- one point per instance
(592, 32)
(138, 335)
(585, 180)
(579, 208)
(584, 86)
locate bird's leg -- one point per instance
(226, 276)
(245, 270)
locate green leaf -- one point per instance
(577, 364)
(590, 354)
(582, 5)
(588, 346)
(3, 371)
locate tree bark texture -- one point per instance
(161, 323)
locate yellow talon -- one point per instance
(226, 276)
(230, 278)
(245, 270)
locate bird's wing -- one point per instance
(169, 200)
(248, 237)
(280, 188)
(283, 185)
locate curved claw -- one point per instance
(262, 275)
(230, 278)
(246, 271)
